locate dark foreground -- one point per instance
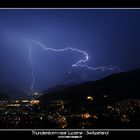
(31, 114)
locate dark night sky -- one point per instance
(109, 36)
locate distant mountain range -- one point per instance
(111, 89)
(57, 88)
(3, 96)
(11, 93)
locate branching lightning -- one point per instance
(79, 63)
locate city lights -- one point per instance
(89, 98)
(86, 115)
(33, 102)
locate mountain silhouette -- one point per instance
(3, 96)
(109, 90)
(12, 93)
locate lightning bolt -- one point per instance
(77, 64)
(32, 71)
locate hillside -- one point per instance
(13, 93)
(3, 96)
(111, 89)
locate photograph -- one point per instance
(75, 69)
